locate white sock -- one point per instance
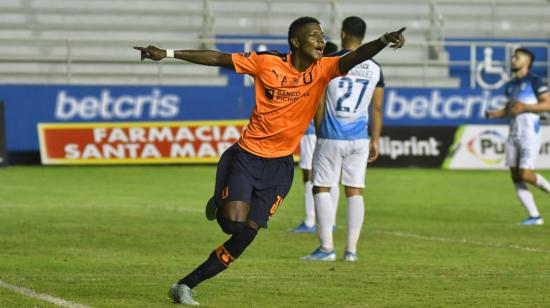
(356, 214)
(335, 196)
(325, 217)
(309, 204)
(542, 183)
(526, 199)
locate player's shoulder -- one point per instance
(510, 82)
(534, 78)
(338, 53)
(375, 62)
(537, 83)
(273, 55)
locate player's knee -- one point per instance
(353, 191)
(252, 225)
(524, 175)
(229, 226)
(320, 189)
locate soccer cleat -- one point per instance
(182, 294)
(319, 255)
(533, 221)
(303, 228)
(210, 209)
(350, 256)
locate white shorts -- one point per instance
(307, 146)
(346, 156)
(522, 151)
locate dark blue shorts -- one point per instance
(261, 182)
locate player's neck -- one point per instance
(521, 73)
(300, 62)
(350, 45)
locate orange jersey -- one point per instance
(286, 100)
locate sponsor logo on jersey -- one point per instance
(269, 93)
(284, 95)
(308, 78)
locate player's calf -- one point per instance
(542, 183)
(217, 261)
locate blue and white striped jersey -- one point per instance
(525, 90)
(347, 102)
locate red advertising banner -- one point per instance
(137, 143)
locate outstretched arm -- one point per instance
(370, 49)
(204, 57)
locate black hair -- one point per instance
(354, 26)
(296, 25)
(528, 53)
(330, 47)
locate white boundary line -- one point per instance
(462, 241)
(45, 297)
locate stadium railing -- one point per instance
(120, 64)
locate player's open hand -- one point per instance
(397, 39)
(151, 52)
(373, 150)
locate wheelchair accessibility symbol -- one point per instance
(487, 69)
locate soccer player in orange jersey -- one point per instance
(255, 174)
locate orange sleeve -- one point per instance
(246, 63)
(330, 67)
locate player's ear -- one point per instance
(295, 42)
(342, 35)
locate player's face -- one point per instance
(312, 41)
(519, 61)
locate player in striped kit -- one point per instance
(527, 96)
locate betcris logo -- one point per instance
(106, 106)
(439, 107)
(488, 146)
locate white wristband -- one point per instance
(169, 53)
(384, 40)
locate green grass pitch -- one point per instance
(120, 236)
